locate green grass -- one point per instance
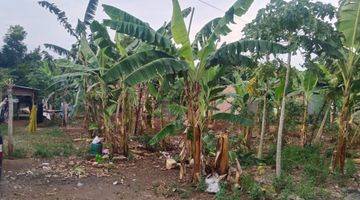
(51, 150)
(349, 172)
(201, 186)
(283, 182)
(3, 129)
(55, 133)
(306, 172)
(19, 153)
(315, 166)
(47, 142)
(304, 189)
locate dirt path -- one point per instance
(63, 178)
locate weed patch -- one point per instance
(51, 150)
(19, 153)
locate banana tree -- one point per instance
(308, 84)
(76, 32)
(152, 63)
(190, 60)
(348, 63)
(193, 82)
(331, 90)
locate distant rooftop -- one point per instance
(24, 87)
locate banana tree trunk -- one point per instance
(193, 116)
(149, 106)
(86, 119)
(282, 119)
(332, 113)
(116, 144)
(197, 153)
(339, 161)
(86, 110)
(124, 144)
(304, 124)
(248, 136)
(222, 154)
(322, 126)
(138, 109)
(263, 126)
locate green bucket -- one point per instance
(95, 149)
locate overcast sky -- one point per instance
(42, 27)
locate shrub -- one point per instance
(210, 143)
(252, 187)
(248, 159)
(306, 190)
(236, 194)
(256, 192)
(269, 159)
(316, 171)
(222, 194)
(284, 182)
(350, 171)
(295, 156)
(247, 182)
(144, 139)
(201, 186)
(350, 168)
(99, 159)
(293, 115)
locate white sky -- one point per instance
(42, 27)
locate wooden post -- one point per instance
(10, 120)
(66, 120)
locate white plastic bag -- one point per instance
(96, 140)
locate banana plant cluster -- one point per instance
(110, 72)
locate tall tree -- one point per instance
(289, 23)
(14, 49)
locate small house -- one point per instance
(23, 99)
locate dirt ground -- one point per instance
(51, 179)
(79, 177)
